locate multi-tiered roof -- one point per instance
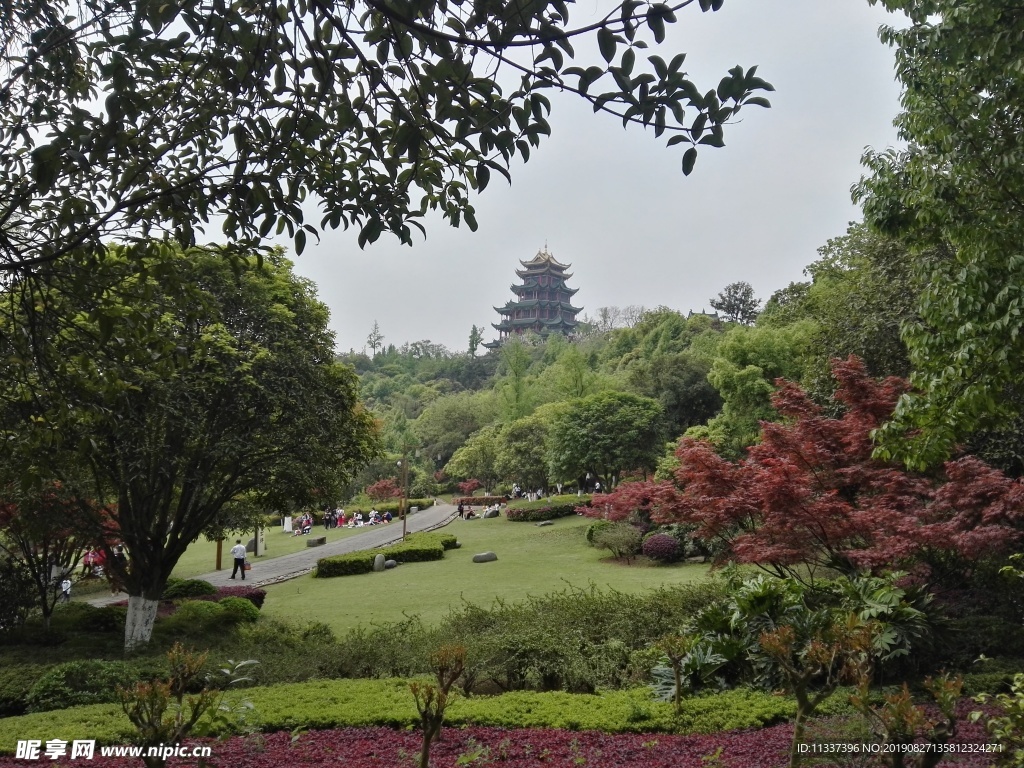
(543, 301)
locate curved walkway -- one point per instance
(290, 566)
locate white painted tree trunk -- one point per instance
(138, 627)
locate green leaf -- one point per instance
(607, 43)
(656, 23)
(689, 158)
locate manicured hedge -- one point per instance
(417, 548)
(479, 501)
(343, 565)
(536, 514)
(413, 550)
(331, 703)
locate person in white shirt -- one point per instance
(238, 552)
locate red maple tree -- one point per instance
(811, 495)
(48, 529)
(383, 490)
(468, 487)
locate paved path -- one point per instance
(278, 569)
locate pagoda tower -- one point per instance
(543, 301)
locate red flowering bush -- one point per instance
(662, 547)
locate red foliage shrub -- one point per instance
(811, 493)
(383, 490)
(662, 547)
(468, 487)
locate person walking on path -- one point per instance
(238, 552)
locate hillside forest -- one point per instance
(612, 402)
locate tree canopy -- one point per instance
(605, 434)
(129, 120)
(956, 195)
(213, 385)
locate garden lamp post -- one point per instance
(404, 464)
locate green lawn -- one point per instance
(531, 561)
(201, 556)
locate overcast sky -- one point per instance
(615, 204)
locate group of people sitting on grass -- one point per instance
(466, 511)
(373, 517)
(338, 519)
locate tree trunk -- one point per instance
(798, 738)
(138, 627)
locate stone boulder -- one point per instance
(491, 513)
(389, 564)
(485, 557)
(319, 541)
(378, 562)
(542, 523)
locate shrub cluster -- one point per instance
(16, 680)
(662, 547)
(179, 588)
(82, 617)
(596, 527)
(194, 618)
(578, 640)
(73, 683)
(239, 610)
(536, 514)
(254, 595)
(621, 539)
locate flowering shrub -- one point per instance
(662, 547)
(536, 514)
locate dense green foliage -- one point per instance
(178, 588)
(954, 196)
(329, 703)
(162, 118)
(218, 383)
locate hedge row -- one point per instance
(417, 548)
(335, 703)
(535, 514)
(479, 501)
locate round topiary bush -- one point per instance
(662, 547)
(595, 528)
(239, 610)
(187, 588)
